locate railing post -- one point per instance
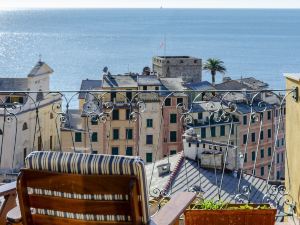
(292, 165)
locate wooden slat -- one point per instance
(173, 209)
(50, 220)
(80, 205)
(75, 183)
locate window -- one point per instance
(269, 151)
(148, 157)
(149, 123)
(277, 143)
(278, 175)
(78, 137)
(115, 114)
(173, 118)
(168, 102)
(115, 151)
(282, 157)
(200, 116)
(115, 134)
(213, 131)
(94, 121)
(149, 139)
(127, 114)
(129, 134)
(173, 136)
(253, 137)
(261, 135)
(129, 95)
(145, 88)
(269, 133)
(113, 95)
(262, 153)
(282, 141)
(245, 120)
(246, 158)
(179, 101)
(244, 138)
(173, 152)
(262, 171)
(222, 130)
(51, 143)
(25, 126)
(253, 155)
(94, 137)
(203, 132)
(51, 116)
(261, 116)
(1, 132)
(128, 150)
(269, 115)
(278, 158)
(232, 129)
(156, 88)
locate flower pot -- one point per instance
(231, 216)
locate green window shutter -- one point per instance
(78, 137)
(148, 157)
(149, 139)
(173, 152)
(269, 115)
(94, 137)
(232, 129)
(115, 115)
(115, 151)
(116, 134)
(127, 114)
(262, 153)
(173, 118)
(168, 102)
(129, 134)
(213, 131)
(246, 158)
(203, 132)
(173, 136)
(269, 151)
(149, 123)
(222, 130)
(253, 156)
(245, 139)
(261, 135)
(262, 171)
(269, 133)
(129, 151)
(245, 120)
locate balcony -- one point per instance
(235, 160)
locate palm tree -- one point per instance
(214, 66)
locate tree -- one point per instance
(214, 66)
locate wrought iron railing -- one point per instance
(227, 128)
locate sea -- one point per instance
(79, 43)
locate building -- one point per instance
(28, 121)
(185, 67)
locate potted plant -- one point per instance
(208, 212)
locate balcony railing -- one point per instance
(226, 145)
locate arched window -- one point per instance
(25, 126)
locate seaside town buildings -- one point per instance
(21, 113)
(146, 117)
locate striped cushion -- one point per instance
(82, 163)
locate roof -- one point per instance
(245, 108)
(120, 81)
(254, 83)
(232, 85)
(148, 80)
(13, 84)
(40, 68)
(173, 84)
(89, 85)
(293, 76)
(189, 176)
(200, 86)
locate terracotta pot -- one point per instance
(231, 216)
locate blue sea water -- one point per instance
(77, 44)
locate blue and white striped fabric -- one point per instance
(81, 163)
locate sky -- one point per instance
(15, 4)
